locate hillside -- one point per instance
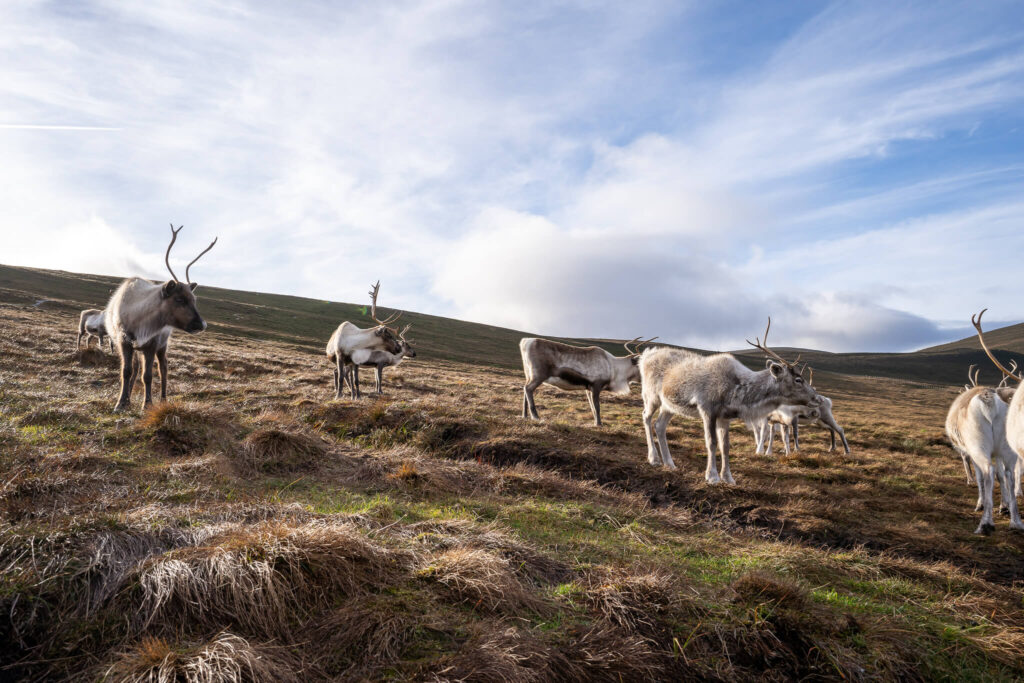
(253, 529)
(1009, 338)
(308, 323)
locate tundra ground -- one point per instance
(251, 528)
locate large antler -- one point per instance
(373, 308)
(199, 257)
(635, 351)
(981, 338)
(401, 335)
(167, 256)
(762, 347)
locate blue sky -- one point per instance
(594, 169)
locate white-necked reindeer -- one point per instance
(91, 324)
(716, 388)
(376, 359)
(140, 317)
(576, 368)
(349, 338)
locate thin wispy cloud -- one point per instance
(599, 169)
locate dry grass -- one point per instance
(251, 528)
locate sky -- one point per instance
(601, 169)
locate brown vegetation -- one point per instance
(251, 529)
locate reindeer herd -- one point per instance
(984, 424)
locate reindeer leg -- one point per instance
(979, 476)
(1004, 499)
(830, 422)
(987, 526)
(711, 443)
(528, 390)
(594, 399)
(148, 356)
(722, 430)
(1011, 487)
(784, 435)
(771, 439)
(161, 359)
(380, 378)
(796, 434)
(650, 407)
(660, 426)
(339, 375)
(127, 376)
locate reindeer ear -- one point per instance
(193, 285)
(776, 369)
(167, 291)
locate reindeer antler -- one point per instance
(401, 335)
(199, 257)
(167, 256)
(1013, 366)
(635, 351)
(762, 347)
(972, 377)
(373, 308)
(981, 338)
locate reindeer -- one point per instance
(576, 368)
(349, 338)
(785, 418)
(376, 359)
(716, 388)
(976, 425)
(822, 416)
(1014, 423)
(90, 324)
(140, 317)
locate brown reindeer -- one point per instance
(140, 318)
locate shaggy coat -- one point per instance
(91, 324)
(977, 426)
(348, 338)
(717, 389)
(574, 368)
(374, 359)
(821, 414)
(140, 317)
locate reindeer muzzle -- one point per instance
(196, 326)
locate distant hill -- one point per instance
(1009, 338)
(308, 323)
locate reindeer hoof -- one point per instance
(985, 529)
(121, 407)
(1017, 526)
(713, 479)
(729, 480)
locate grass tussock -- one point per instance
(364, 636)
(182, 429)
(227, 658)
(262, 578)
(481, 579)
(759, 587)
(276, 450)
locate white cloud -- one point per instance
(564, 169)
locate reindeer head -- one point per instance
(406, 344)
(788, 376)
(389, 336)
(178, 299)
(634, 356)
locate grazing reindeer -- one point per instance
(376, 359)
(785, 419)
(825, 418)
(348, 338)
(90, 324)
(141, 316)
(716, 388)
(576, 368)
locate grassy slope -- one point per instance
(307, 324)
(253, 528)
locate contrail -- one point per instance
(26, 126)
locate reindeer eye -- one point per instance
(799, 379)
(180, 300)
